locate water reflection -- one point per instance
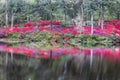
(59, 64)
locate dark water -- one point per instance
(90, 64)
(60, 64)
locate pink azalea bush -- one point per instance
(112, 26)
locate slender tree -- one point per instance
(64, 10)
(81, 13)
(6, 12)
(51, 18)
(92, 26)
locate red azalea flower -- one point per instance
(73, 51)
(117, 32)
(17, 29)
(86, 51)
(12, 30)
(8, 49)
(15, 50)
(106, 31)
(108, 26)
(28, 24)
(26, 29)
(107, 53)
(118, 26)
(48, 22)
(74, 32)
(27, 52)
(16, 25)
(55, 32)
(87, 33)
(66, 30)
(44, 52)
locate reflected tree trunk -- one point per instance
(11, 54)
(6, 58)
(16, 72)
(91, 58)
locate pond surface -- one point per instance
(65, 63)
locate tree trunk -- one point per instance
(12, 19)
(99, 20)
(64, 11)
(118, 16)
(81, 16)
(27, 18)
(92, 26)
(51, 16)
(102, 11)
(81, 20)
(65, 16)
(6, 14)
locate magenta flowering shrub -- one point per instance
(48, 22)
(42, 23)
(2, 33)
(112, 26)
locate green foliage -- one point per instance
(90, 41)
(14, 35)
(46, 39)
(34, 10)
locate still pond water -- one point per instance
(59, 64)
